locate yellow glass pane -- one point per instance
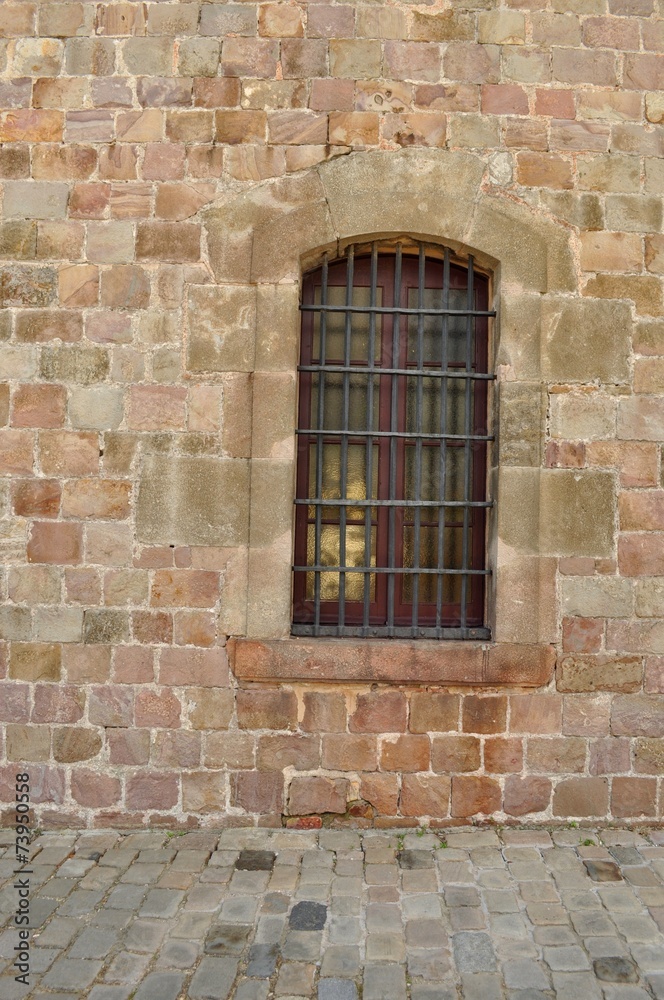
(330, 556)
(432, 327)
(333, 399)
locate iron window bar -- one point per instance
(400, 605)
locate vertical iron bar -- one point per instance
(470, 322)
(343, 486)
(418, 442)
(394, 426)
(443, 445)
(319, 446)
(368, 473)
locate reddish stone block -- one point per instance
(433, 712)
(184, 588)
(55, 543)
(233, 750)
(152, 626)
(565, 455)
(472, 63)
(128, 746)
(233, 127)
(582, 635)
(535, 713)
(16, 453)
(346, 752)
(425, 795)
(324, 712)
(381, 791)
(89, 201)
(176, 749)
(194, 628)
(152, 791)
(125, 286)
(634, 797)
(455, 753)
(610, 756)
(554, 103)
(36, 497)
(154, 407)
(561, 755)
(203, 792)
(600, 672)
(157, 708)
(216, 92)
(15, 703)
(526, 795)
(641, 511)
(24, 125)
(133, 665)
(82, 586)
(585, 715)
(547, 170)
(380, 712)
(74, 743)
(473, 796)
(405, 753)
(637, 715)
(68, 453)
(111, 706)
(163, 161)
(257, 793)
(317, 795)
(654, 675)
(202, 667)
(94, 790)
(581, 797)
(96, 498)
(642, 71)
(58, 703)
(277, 752)
(504, 99)
(530, 666)
(297, 128)
(484, 714)
(332, 95)
(503, 755)
(258, 709)
(39, 406)
(249, 57)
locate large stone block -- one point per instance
(222, 321)
(584, 340)
(577, 513)
(522, 416)
(597, 597)
(193, 501)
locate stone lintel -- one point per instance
(396, 661)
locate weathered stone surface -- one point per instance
(577, 349)
(577, 512)
(221, 328)
(193, 501)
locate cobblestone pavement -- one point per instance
(339, 915)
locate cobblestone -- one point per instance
(343, 928)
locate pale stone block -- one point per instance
(582, 416)
(269, 591)
(274, 416)
(278, 245)
(649, 595)
(110, 242)
(519, 334)
(18, 361)
(522, 413)
(641, 418)
(586, 339)
(222, 322)
(502, 27)
(517, 512)
(36, 57)
(58, 624)
(97, 408)
(597, 597)
(233, 594)
(272, 492)
(35, 200)
(193, 501)
(577, 513)
(277, 327)
(525, 600)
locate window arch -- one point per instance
(391, 502)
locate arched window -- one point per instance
(390, 524)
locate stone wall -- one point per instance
(168, 170)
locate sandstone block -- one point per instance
(473, 796)
(405, 753)
(99, 407)
(317, 795)
(358, 59)
(432, 712)
(202, 667)
(177, 748)
(210, 708)
(503, 755)
(249, 57)
(600, 597)
(282, 20)
(257, 793)
(34, 584)
(157, 708)
(601, 672)
(324, 712)
(29, 743)
(35, 661)
(641, 554)
(173, 241)
(637, 715)
(125, 286)
(530, 794)
(151, 790)
(258, 709)
(55, 543)
(348, 752)
(95, 790)
(577, 512)
(648, 755)
(379, 712)
(381, 791)
(221, 328)
(633, 797)
(68, 453)
(425, 795)
(581, 797)
(455, 753)
(73, 743)
(277, 752)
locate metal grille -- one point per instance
(392, 446)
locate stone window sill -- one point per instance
(391, 660)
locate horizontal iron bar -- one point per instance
(402, 570)
(394, 503)
(360, 369)
(396, 631)
(312, 432)
(395, 310)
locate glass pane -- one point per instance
(335, 328)
(355, 556)
(430, 403)
(429, 476)
(333, 414)
(356, 478)
(432, 328)
(428, 551)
